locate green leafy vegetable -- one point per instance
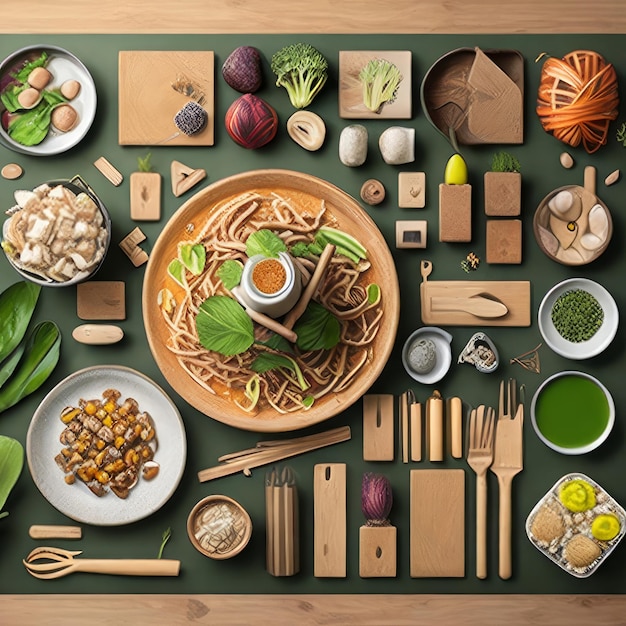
(505, 162)
(266, 361)
(41, 354)
(22, 74)
(11, 463)
(223, 326)
(264, 242)
(9, 365)
(230, 272)
(165, 537)
(31, 127)
(317, 329)
(193, 257)
(177, 271)
(380, 80)
(9, 97)
(17, 304)
(300, 249)
(302, 70)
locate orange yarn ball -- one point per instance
(578, 99)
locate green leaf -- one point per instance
(177, 271)
(193, 257)
(17, 304)
(223, 326)
(11, 463)
(9, 365)
(264, 242)
(165, 537)
(230, 273)
(40, 357)
(300, 249)
(266, 361)
(22, 74)
(9, 98)
(31, 127)
(144, 164)
(373, 293)
(317, 328)
(307, 402)
(278, 343)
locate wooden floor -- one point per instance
(320, 16)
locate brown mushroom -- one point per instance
(64, 117)
(70, 89)
(39, 78)
(29, 98)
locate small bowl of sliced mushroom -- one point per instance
(57, 234)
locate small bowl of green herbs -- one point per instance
(578, 318)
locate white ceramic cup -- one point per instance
(270, 285)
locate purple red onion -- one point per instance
(376, 499)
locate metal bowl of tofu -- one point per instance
(57, 234)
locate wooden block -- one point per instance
(130, 246)
(184, 177)
(504, 241)
(411, 233)
(330, 526)
(101, 300)
(145, 196)
(112, 174)
(437, 523)
(377, 551)
(455, 213)
(412, 190)
(415, 419)
(39, 531)
(378, 427)
(503, 194)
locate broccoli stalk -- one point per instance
(302, 70)
(380, 79)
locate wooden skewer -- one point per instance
(309, 291)
(272, 455)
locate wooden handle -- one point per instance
(456, 427)
(504, 527)
(481, 526)
(415, 415)
(40, 531)
(434, 417)
(129, 567)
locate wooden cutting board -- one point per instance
(329, 529)
(514, 294)
(153, 86)
(437, 532)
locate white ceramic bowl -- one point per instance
(443, 350)
(559, 446)
(603, 336)
(76, 501)
(63, 65)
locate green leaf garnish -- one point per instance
(223, 326)
(373, 293)
(307, 402)
(193, 257)
(269, 361)
(317, 328)
(264, 242)
(144, 164)
(177, 271)
(230, 272)
(164, 539)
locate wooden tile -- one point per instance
(411, 233)
(377, 551)
(412, 190)
(378, 427)
(503, 194)
(101, 300)
(455, 213)
(437, 523)
(504, 241)
(145, 196)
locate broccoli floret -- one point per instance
(302, 70)
(380, 79)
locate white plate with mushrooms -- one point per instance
(82, 487)
(71, 117)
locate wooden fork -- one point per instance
(479, 457)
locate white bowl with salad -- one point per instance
(47, 100)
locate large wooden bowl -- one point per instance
(350, 217)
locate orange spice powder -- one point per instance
(269, 276)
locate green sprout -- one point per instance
(621, 134)
(144, 163)
(164, 539)
(380, 80)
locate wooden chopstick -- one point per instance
(272, 455)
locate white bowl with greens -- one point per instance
(578, 318)
(30, 107)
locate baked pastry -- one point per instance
(581, 551)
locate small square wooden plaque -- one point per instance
(101, 300)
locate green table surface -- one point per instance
(207, 438)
